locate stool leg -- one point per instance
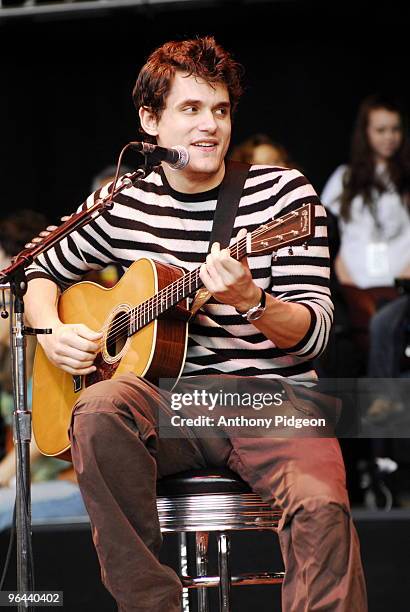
(201, 545)
(224, 572)
(183, 567)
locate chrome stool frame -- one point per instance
(183, 508)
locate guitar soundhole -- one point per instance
(117, 335)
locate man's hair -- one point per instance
(200, 57)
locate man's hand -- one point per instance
(72, 347)
(230, 281)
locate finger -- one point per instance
(73, 340)
(79, 344)
(212, 259)
(207, 279)
(215, 248)
(244, 262)
(214, 277)
(87, 333)
(227, 264)
(227, 271)
(242, 234)
(74, 361)
(210, 266)
(76, 364)
(74, 354)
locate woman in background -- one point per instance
(371, 198)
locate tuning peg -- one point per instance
(66, 217)
(51, 228)
(44, 234)
(274, 256)
(29, 245)
(290, 251)
(305, 246)
(37, 239)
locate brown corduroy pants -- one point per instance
(118, 456)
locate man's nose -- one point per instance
(208, 122)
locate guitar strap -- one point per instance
(225, 213)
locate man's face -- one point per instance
(196, 116)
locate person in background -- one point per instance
(54, 490)
(107, 175)
(260, 149)
(371, 199)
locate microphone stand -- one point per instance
(14, 278)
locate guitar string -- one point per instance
(174, 288)
(140, 314)
(185, 281)
(152, 303)
(165, 295)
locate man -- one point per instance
(185, 95)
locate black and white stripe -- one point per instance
(152, 220)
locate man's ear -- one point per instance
(149, 121)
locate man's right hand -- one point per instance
(72, 347)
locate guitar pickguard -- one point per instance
(104, 371)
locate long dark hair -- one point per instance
(201, 57)
(361, 178)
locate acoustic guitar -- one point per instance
(144, 320)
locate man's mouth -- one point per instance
(201, 144)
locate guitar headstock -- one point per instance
(291, 229)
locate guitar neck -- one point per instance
(290, 229)
(175, 292)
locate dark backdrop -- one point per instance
(65, 103)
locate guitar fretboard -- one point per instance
(172, 294)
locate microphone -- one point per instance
(177, 157)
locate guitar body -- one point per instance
(158, 349)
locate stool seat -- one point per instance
(211, 499)
(197, 482)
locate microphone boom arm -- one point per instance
(75, 222)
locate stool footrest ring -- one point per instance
(191, 582)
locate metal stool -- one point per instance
(216, 500)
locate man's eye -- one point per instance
(190, 109)
(222, 111)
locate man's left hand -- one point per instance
(230, 281)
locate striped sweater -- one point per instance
(153, 220)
